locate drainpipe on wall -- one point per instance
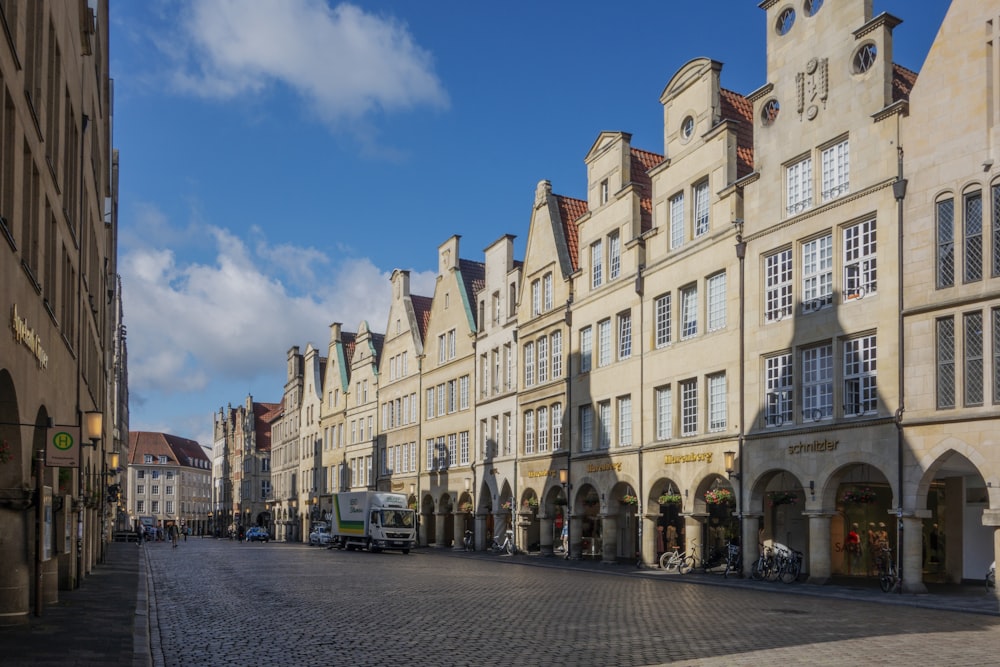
(899, 192)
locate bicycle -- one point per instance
(505, 545)
(677, 561)
(734, 561)
(886, 566)
(764, 565)
(789, 564)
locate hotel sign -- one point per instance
(694, 457)
(28, 337)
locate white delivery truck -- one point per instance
(373, 521)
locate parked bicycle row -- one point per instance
(722, 561)
(777, 562)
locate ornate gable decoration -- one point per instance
(813, 86)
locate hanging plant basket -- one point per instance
(669, 499)
(505, 505)
(719, 497)
(782, 498)
(465, 507)
(531, 503)
(630, 500)
(863, 496)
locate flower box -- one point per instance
(669, 499)
(719, 497)
(860, 497)
(782, 498)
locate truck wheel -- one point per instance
(406, 552)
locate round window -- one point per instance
(769, 112)
(864, 58)
(813, 6)
(785, 20)
(687, 128)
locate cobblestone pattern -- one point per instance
(226, 603)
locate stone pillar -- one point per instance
(818, 558)
(991, 518)
(912, 551)
(480, 530)
(545, 534)
(575, 532)
(422, 529)
(609, 538)
(692, 536)
(459, 531)
(750, 541)
(439, 531)
(648, 546)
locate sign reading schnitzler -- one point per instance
(63, 447)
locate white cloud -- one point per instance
(345, 62)
(194, 325)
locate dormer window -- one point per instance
(864, 58)
(604, 192)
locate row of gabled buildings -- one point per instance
(783, 327)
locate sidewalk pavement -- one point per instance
(107, 620)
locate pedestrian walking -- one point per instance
(140, 534)
(175, 534)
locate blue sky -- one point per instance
(280, 158)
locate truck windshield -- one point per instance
(397, 518)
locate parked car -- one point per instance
(257, 534)
(320, 537)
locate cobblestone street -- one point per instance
(220, 602)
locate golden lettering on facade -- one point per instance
(696, 457)
(604, 467)
(28, 337)
(541, 473)
(814, 446)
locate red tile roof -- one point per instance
(642, 162)
(902, 82)
(179, 451)
(571, 210)
(262, 418)
(474, 277)
(737, 108)
(422, 311)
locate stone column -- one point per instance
(912, 551)
(575, 531)
(609, 538)
(422, 529)
(545, 534)
(648, 545)
(480, 530)
(818, 558)
(749, 541)
(459, 531)
(692, 536)
(439, 531)
(991, 518)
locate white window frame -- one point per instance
(778, 285)
(625, 421)
(542, 419)
(556, 427)
(677, 221)
(701, 209)
(614, 255)
(556, 354)
(529, 432)
(547, 292)
(662, 313)
(817, 382)
(715, 290)
(586, 349)
(543, 359)
(860, 255)
(718, 413)
(596, 264)
(860, 376)
(603, 343)
(664, 413)
(689, 312)
(604, 425)
(798, 186)
(536, 297)
(689, 407)
(817, 273)
(836, 166)
(529, 364)
(624, 335)
(779, 396)
(586, 428)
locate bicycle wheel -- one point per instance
(790, 572)
(885, 580)
(686, 565)
(664, 560)
(757, 570)
(774, 568)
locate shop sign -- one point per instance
(611, 466)
(28, 337)
(816, 446)
(541, 473)
(397, 486)
(694, 457)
